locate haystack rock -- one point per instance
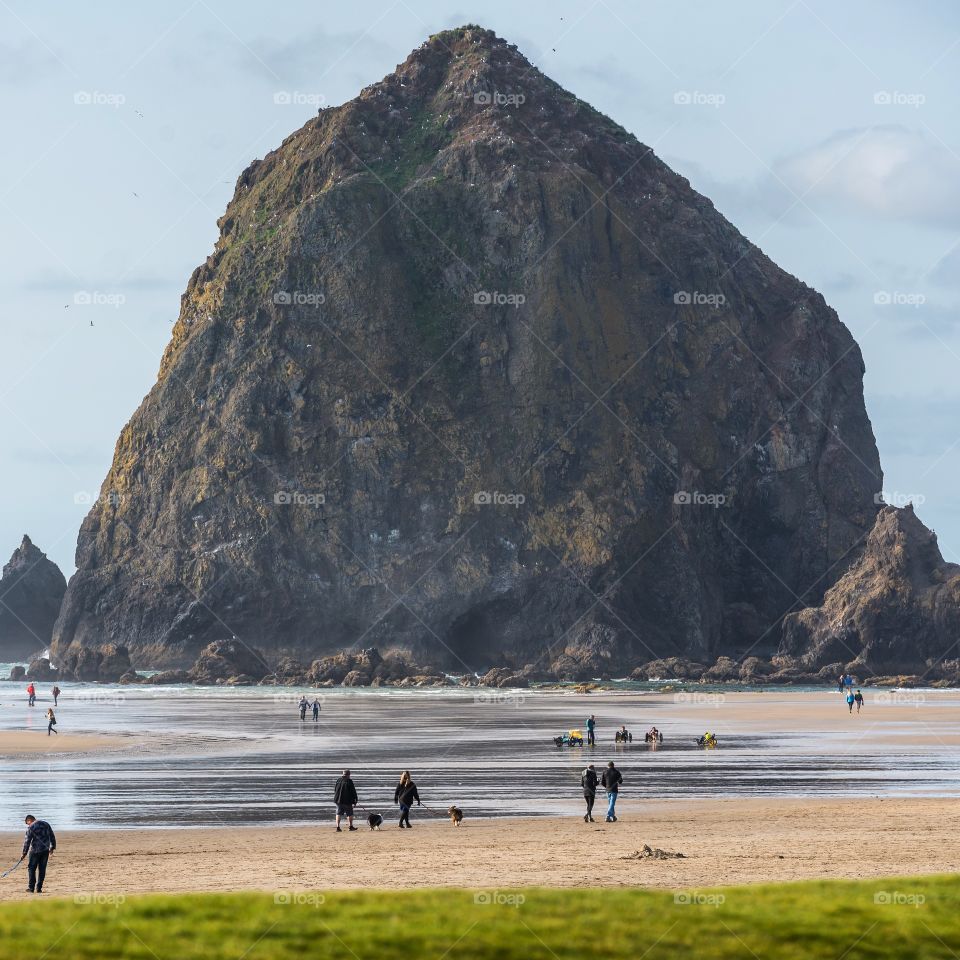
(897, 611)
(472, 376)
(31, 590)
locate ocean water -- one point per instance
(216, 756)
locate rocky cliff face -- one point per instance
(897, 610)
(31, 590)
(472, 375)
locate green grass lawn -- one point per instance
(902, 919)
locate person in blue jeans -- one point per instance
(404, 795)
(850, 699)
(611, 781)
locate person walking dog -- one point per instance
(345, 797)
(405, 794)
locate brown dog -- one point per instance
(456, 816)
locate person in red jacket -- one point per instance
(31, 694)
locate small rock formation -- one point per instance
(105, 663)
(289, 671)
(503, 677)
(18, 673)
(755, 669)
(169, 678)
(395, 668)
(895, 611)
(724, 669)
(229, 661)
(670, 668)
(356, 669)
(40, 669)
(31, 591)
(653, 853)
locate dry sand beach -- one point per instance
(723, 842)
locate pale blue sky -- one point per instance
(828, 133)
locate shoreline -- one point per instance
(724, 842)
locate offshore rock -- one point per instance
(31, 590)
(896, 611)
(473, 376)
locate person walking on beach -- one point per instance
(611, 781)
(56, 693)
(589, 781)
(840, 684)
(31, 694)
(405, 794)
(591, 730)
(858, 699)
(39, 841)
(345, 797)
(51, 721)
(303, 708)
(316, 710)
(850, 700)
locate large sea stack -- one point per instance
(31, 590)
(472, 375)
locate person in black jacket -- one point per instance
(405, 794)
(611, 781)
(39, 841)
(345, 796)
(589, 781)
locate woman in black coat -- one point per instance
(405, 794)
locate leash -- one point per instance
(14, 867)
(422, 806)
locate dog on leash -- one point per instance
(456, 816)
(375, 821)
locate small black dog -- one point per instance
(374, 819)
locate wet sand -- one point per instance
(238, 757)
(30, 742)
(896, 717)
(724, 842)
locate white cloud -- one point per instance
(889, 172)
